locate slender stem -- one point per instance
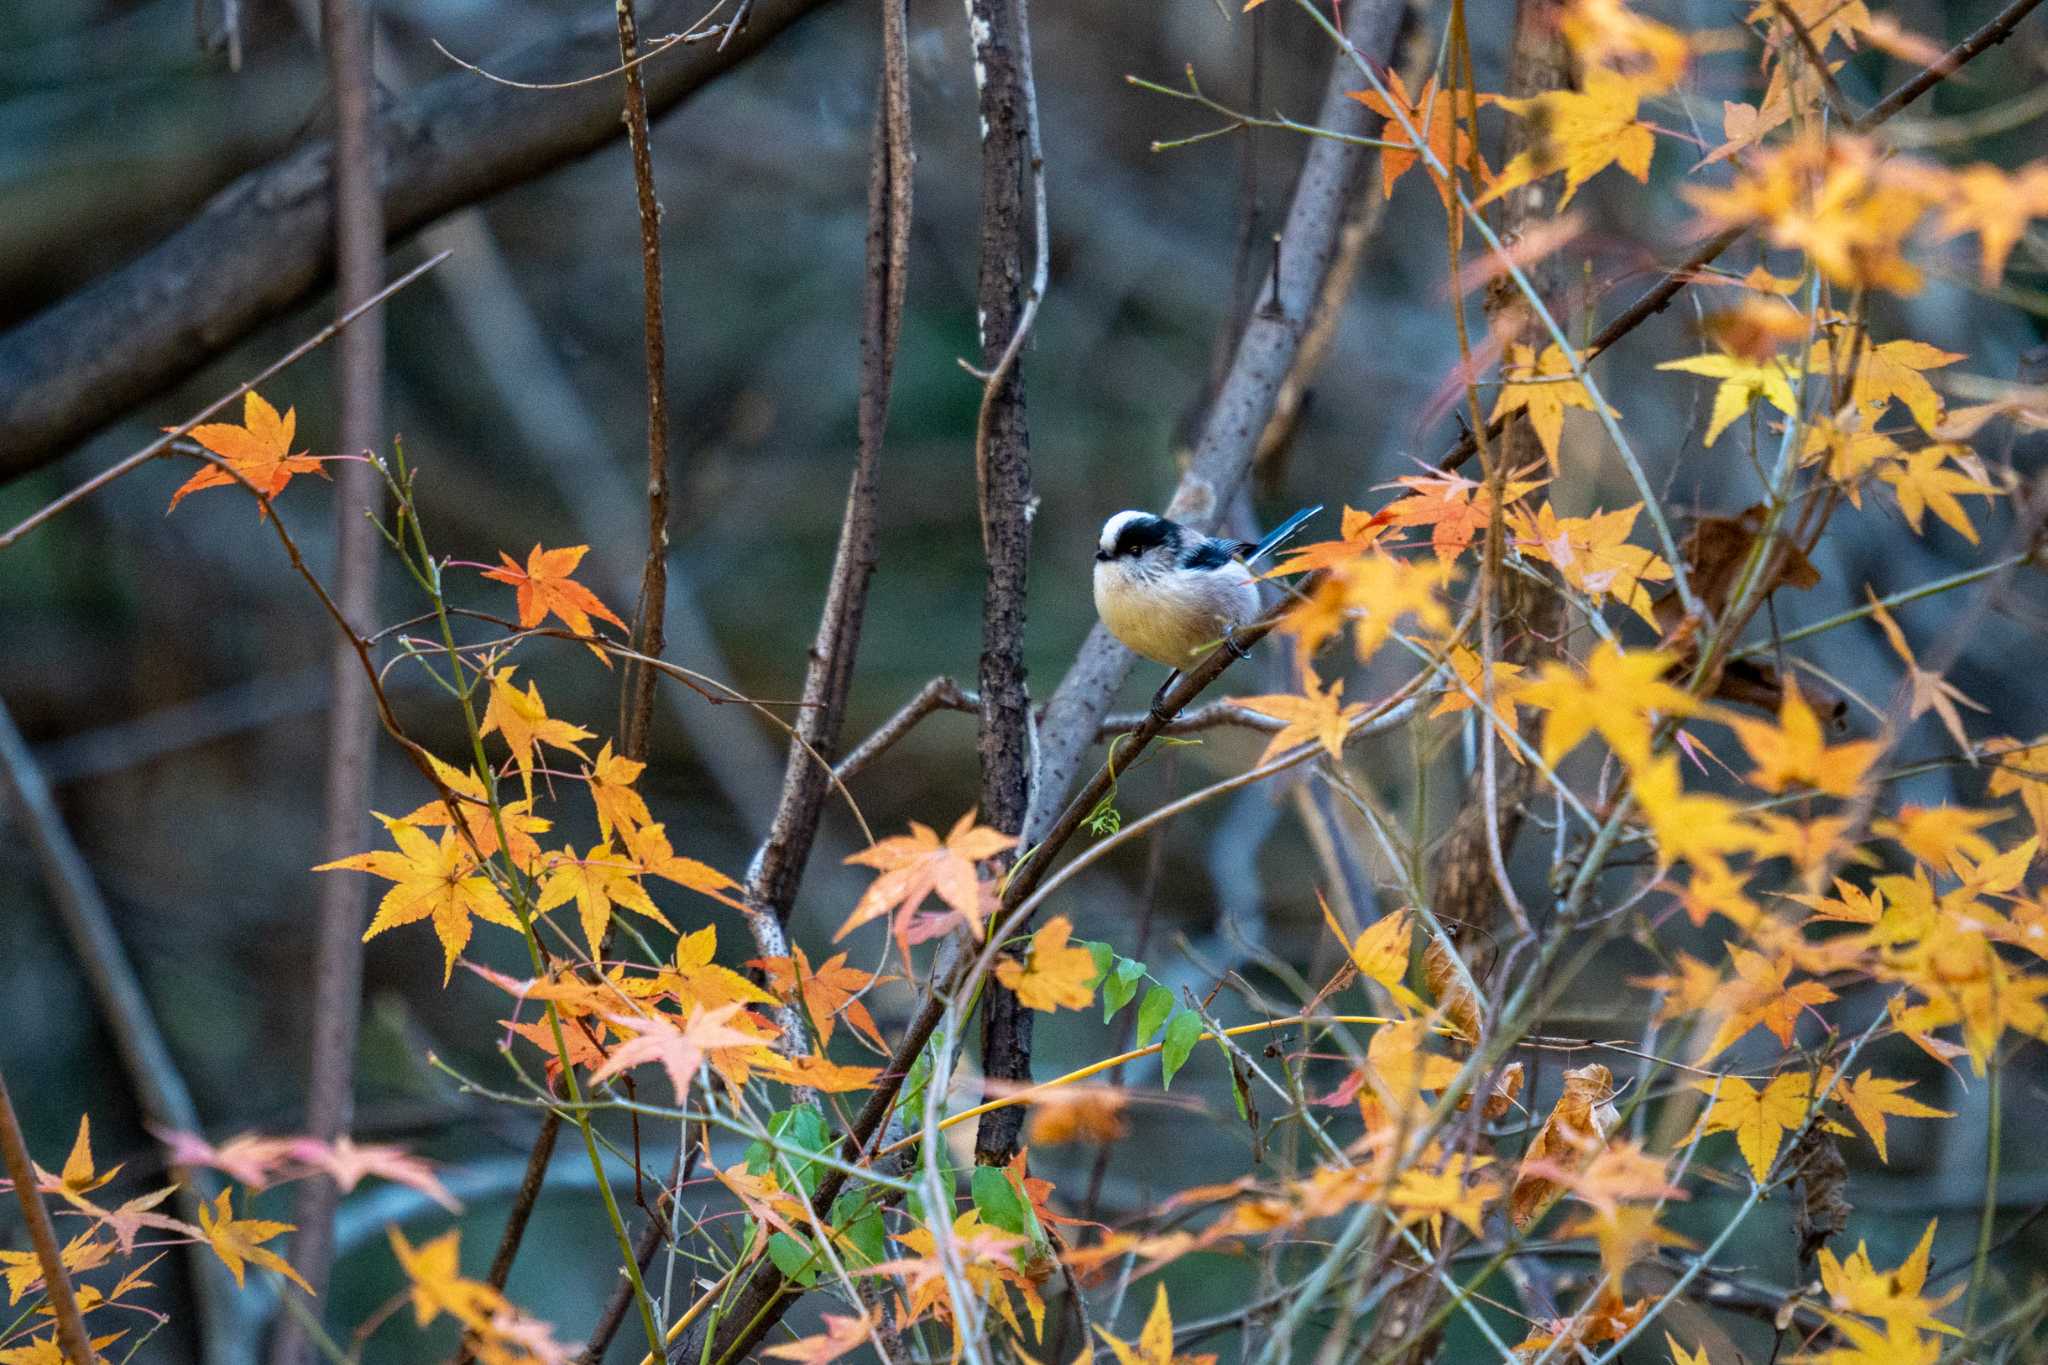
(1980, 1264)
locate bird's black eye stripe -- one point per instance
(1140, 534)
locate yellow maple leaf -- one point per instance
(597, 881)
(1794, 751)
(1758, 1118)
(440, 880)
(1891, 370)
(1681, 1356)
(1855, 1285)
(1615, 696)
(522, 719)
(611, 781)
(1870, 1098)
(1743, 382)
(258, 450)
(1608, 33)
(1997, 207)
(1155, 1339)
(1698, 827)
(1052, 975)
(1582, 132)
(435, 1270)
(1541, 386)
(236, 1240)
(1314, 715)
(1381, 951)
(1429, 1195)
(1923, 484)
(1372, 594)
(473, 804)
(1470, 669)
(650, 848)
(1593, 554)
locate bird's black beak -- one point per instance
(1102, 556)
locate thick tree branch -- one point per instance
(1259, 370)
(358, 216)
(266, 241)
(1012, 177)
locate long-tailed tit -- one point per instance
(1171, 593)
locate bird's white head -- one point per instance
(1131, 534)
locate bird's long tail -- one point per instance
(1281, 534)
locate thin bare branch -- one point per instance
(351, 719)
(636, 688)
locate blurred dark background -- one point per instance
(169, 671)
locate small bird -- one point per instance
(1171, 593)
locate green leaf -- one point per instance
(1105, 960)
(1121, 987)
(1158, 1003)
(802, 1127)
(1183, 1031)
(865, 1232)
(793, 1258)
(997, 1199)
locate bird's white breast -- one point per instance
(1173, 617)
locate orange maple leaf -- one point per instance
(1757, 996)
(841, 1334)
(258, 450)
(545, 586)
(1358, 533)
(1455, 508)
(680, 1046)
(1434, 113)
(1052, 975)
(829, 990)
(1870, 1098)
(918, 865)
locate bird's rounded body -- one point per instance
(1169, 593)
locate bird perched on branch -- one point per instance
(1171, 594)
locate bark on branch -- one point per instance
(1012, 178)
(1259, 370)
(266, 241)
